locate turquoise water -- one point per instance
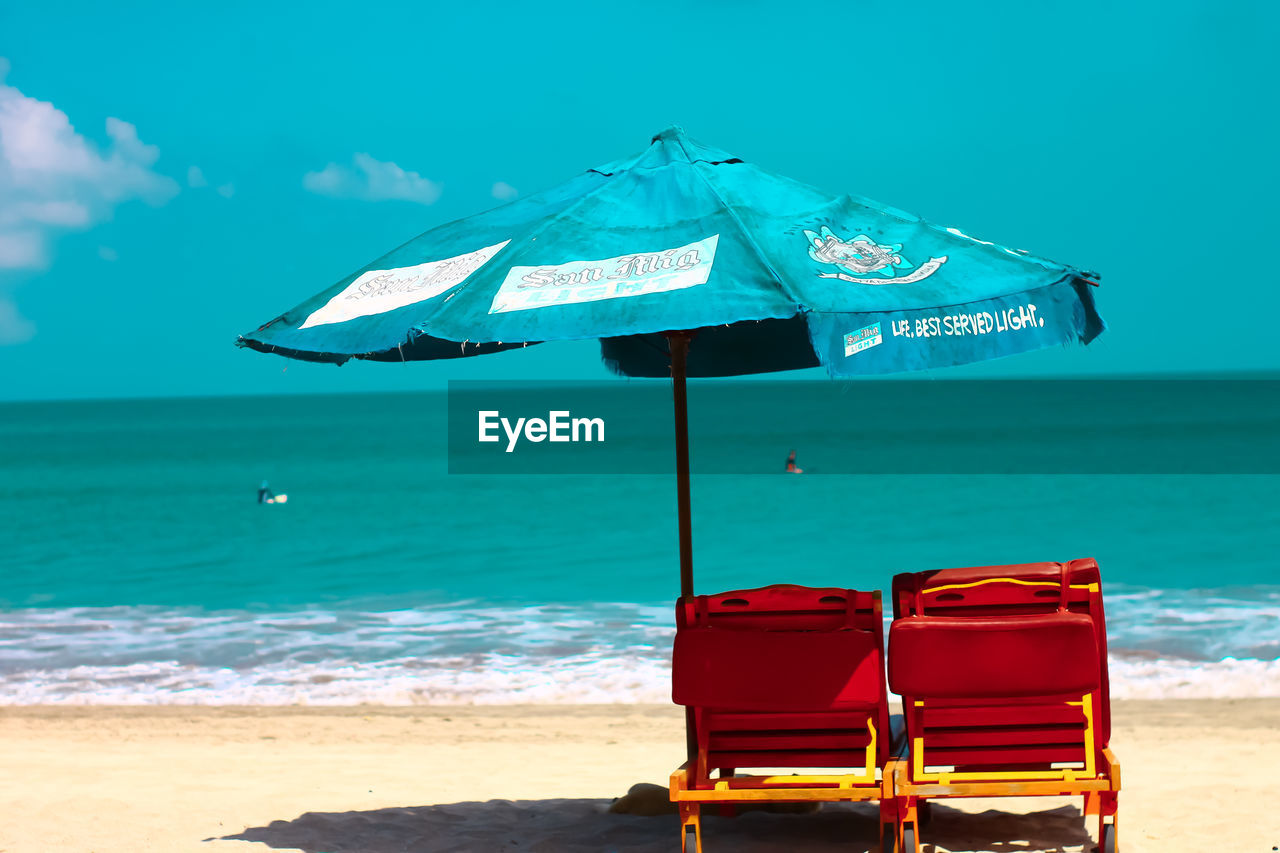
(139, 567)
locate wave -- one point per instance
(116, 636)
(503, 680)
(1196, 624)
(492, 680)
(1164, 644)
(1160, 678)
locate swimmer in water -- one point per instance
(265, 495)
(792, 468)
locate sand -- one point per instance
(1198, 775)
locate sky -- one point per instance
(172, 175)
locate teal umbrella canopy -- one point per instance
(770, 274)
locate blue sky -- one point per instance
(175, 174)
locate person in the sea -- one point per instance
(792, 468)
(265, 495)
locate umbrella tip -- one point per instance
(673, 132)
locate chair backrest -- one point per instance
(783, 676)
(995, 655)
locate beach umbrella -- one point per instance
(686, 261)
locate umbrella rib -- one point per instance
(746, 234)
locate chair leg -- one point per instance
(888, 837)
(690, 820)
(1108, 807)
(888, 824)
(909, 825)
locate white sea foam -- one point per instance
(1220, 643)
(1181, 679)
(495, 680)
(498, 680)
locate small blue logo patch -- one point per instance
(864, 338)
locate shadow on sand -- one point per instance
(585, 826)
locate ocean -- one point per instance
(139, 568)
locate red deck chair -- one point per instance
(781, 677)
(1003, 677)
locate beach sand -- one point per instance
(1198, 775)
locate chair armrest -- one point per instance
(1112, 768)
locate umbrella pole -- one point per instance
(678, 343)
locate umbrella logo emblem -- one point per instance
(869, 261)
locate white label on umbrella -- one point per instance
(379, 291)
(864, 338)
(612, 278)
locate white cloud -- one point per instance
(503, 191)
(196, 180)
(371, 180)
(22, 248)
(14, 328)
(52, 180)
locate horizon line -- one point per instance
(1260, 374)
